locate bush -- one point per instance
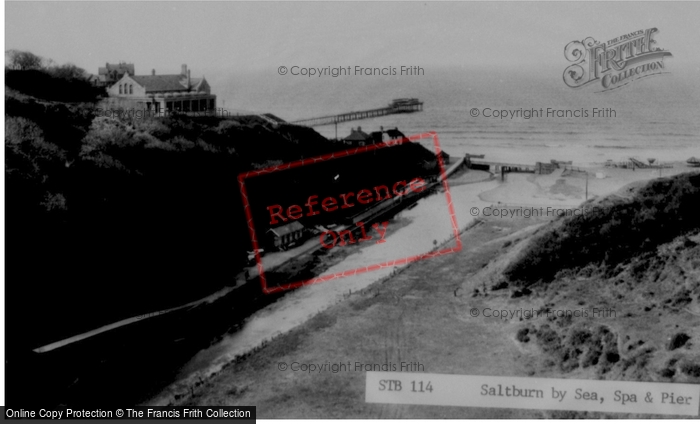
(677, 341)
(20, 130)
(42, 84)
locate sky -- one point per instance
(240, 37)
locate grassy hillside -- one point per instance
(612, 232)
(629, 269)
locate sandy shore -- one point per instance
(570, 188)
(430, 224)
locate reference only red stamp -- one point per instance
(366, 211)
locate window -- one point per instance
(169, 106)
(120, 89)
(202, 104)
(131, 89)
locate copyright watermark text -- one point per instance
(351, 71)
(531, 212)
(549, 112)
(509, 314)
(349, 366)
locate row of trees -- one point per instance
(45, 79)
(27, 61)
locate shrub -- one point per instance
(678, 340)
(20, 130)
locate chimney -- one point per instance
(153, 71)
(188, 79)
(184, 70)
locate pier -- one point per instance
(396, 106)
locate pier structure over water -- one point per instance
(396, 106)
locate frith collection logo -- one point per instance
(616, 63)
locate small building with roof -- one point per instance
(286, 235)
(357, 137)
(395, 134)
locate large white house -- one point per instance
(165, 93)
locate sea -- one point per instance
(522, 116)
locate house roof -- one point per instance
(287, 228)
(357, 135)
(395, 133)
(161, 82)
(274, 118)
(120, 67)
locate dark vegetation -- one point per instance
(613, 232)
(54, 84)
(32, 75)
(367, 170)
(105, 220)
(677, 341)
(109, 218)
(582, 347)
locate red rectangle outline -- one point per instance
(290, 165)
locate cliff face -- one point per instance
(109, 218)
